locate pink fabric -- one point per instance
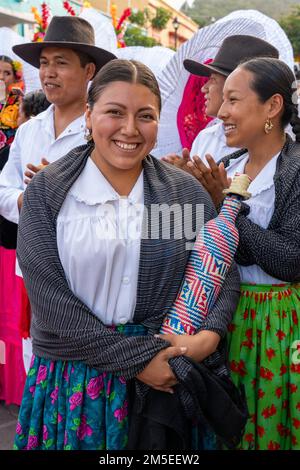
(25, 316)
(191, 118)
(12, 373)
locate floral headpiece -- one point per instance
(18, 69)
(16, 66)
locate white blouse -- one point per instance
(212, 140)
(98, 238)
(261, 205)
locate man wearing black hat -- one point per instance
(67, 59)
(234, 50)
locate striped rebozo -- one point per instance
(208, 265)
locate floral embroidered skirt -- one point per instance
(264, 357)
(70, 406)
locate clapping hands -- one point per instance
(179, 161)
(213, 177)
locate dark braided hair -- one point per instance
(272, 76)
(34, 103)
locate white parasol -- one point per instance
(105, 36)
(8, 39)
(202, 46)
(275, 35)
(156, 58)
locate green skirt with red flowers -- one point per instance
(264, 354)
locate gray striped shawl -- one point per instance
(63, 327)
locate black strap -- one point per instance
(8, 234)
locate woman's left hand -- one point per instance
(199, 346)
(213, 178)
(34, 169)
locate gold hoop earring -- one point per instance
(268, 126)
(88, 135)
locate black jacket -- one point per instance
(202, 398)
(275, 249)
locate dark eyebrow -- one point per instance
(55, 57)
(146, 108)
(232, 91)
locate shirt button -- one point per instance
(125, 280)
(123, 320)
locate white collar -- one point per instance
(263, 181)
(93, 188)
(215, 128)
(214, 122)
(47, 114)
(47, 118)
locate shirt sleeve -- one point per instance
(195, 147)
(277, 252)
(11, 182)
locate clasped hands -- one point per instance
(213, 177)
(158, 373)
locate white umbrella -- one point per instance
(275, 35)
(8, 39)
(202, 46)
(105, 36)
(156, 58)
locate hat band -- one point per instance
(225, 67)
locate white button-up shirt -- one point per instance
(212, 140)
(98, 239)
(34, 140)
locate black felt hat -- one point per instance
(234, 50)
(70, 32)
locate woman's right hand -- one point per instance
(158, 374)
(179, 162)
(213, 177)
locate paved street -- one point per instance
(8, 420)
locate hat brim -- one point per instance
(204, 70)
(30, 52)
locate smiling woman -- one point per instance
(259, 102)
(110, 283)
(122, 117)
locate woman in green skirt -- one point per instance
(259, 102)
